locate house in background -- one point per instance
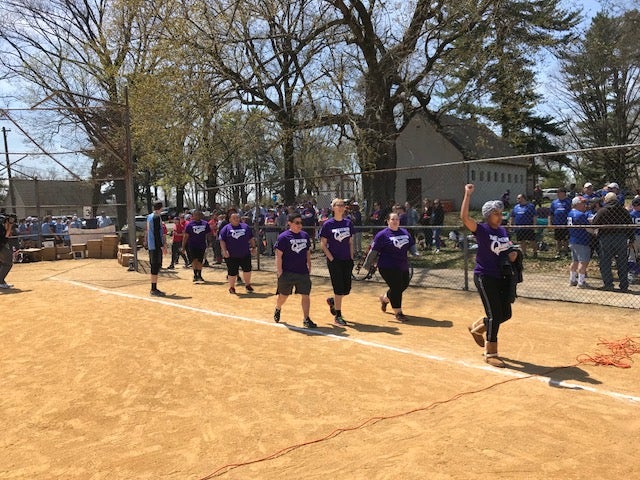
(39, 198)
(455, 149)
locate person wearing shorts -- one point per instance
(336, 241)
(558, 212)
(579, 243)
(524, 213)
(154, 240)
(293, 268)
(237, 244)
(195, 239)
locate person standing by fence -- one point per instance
(494, 254)
(154, 240)
(579, 243)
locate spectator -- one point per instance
(579, 243)
(537, 196)
(104, 220)
(524, 213)
(437, 220)
(376, 216)
(425, 219)
(506, 199)
(615, 188)
(271, 231)
(613, 242)
(634, 251)
(587, 192)
(356, 218)
(558, 212)
(176, 243)
(6, 252)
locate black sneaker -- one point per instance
(332, 305)
(276, 315)
(308, 323)
(158, 293)
(249, 288)
(401, 317)
(339, 321)
(171, 267)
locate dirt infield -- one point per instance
(98, 380)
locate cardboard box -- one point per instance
(78, 247)
(49, 253)
(48, 243)
(32, 254)
(94, 248)
(62, 253)
(126, 258)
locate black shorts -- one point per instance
(196, 254)
(340, 273)
(526, 235)
(234, 264)
(155, 259)
(288, 280)
(561, 234)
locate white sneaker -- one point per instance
(584, 285)
(5, 285)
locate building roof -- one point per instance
(476, 141)
(46, 193)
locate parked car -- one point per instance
(549, 194)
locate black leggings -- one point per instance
(494, 293)
(398, 281)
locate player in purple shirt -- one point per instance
(336, 241)
(293, 267)
(195, 239)
(237, 244)
(392, 246)
(494, 250)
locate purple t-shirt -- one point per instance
(492, 246)
(338, 233)
(237, 239)
(197, 231)
(294, 248)
(393, 248)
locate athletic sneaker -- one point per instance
(232, 291)
(583, 285)
(573, 283)
(249, 288)
(276, 315)
(158, 293)
(401, 317)
(171, 267)
(6, 285)
(332, 306)
(339, 321)
(308, 323)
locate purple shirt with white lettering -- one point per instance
(237, 239)
(393, 248)
(492, 242)
(338, 233)
(294, 248)
(197, 231)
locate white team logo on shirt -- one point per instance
(499, 244)
(341, 233)
(298, 244)
(197, 229)
(238, 233)
(400, 241)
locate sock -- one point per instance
(573, 276)
(338, 313)
(581, 278)
(154, 286)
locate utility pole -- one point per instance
(12, 195)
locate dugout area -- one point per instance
(100, 380)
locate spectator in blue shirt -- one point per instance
(524, 213)
(558, 212)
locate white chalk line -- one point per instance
(502, 371)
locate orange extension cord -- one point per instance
(621, 352)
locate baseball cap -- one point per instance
(588, 184)
(635, 202)
(614, 185)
